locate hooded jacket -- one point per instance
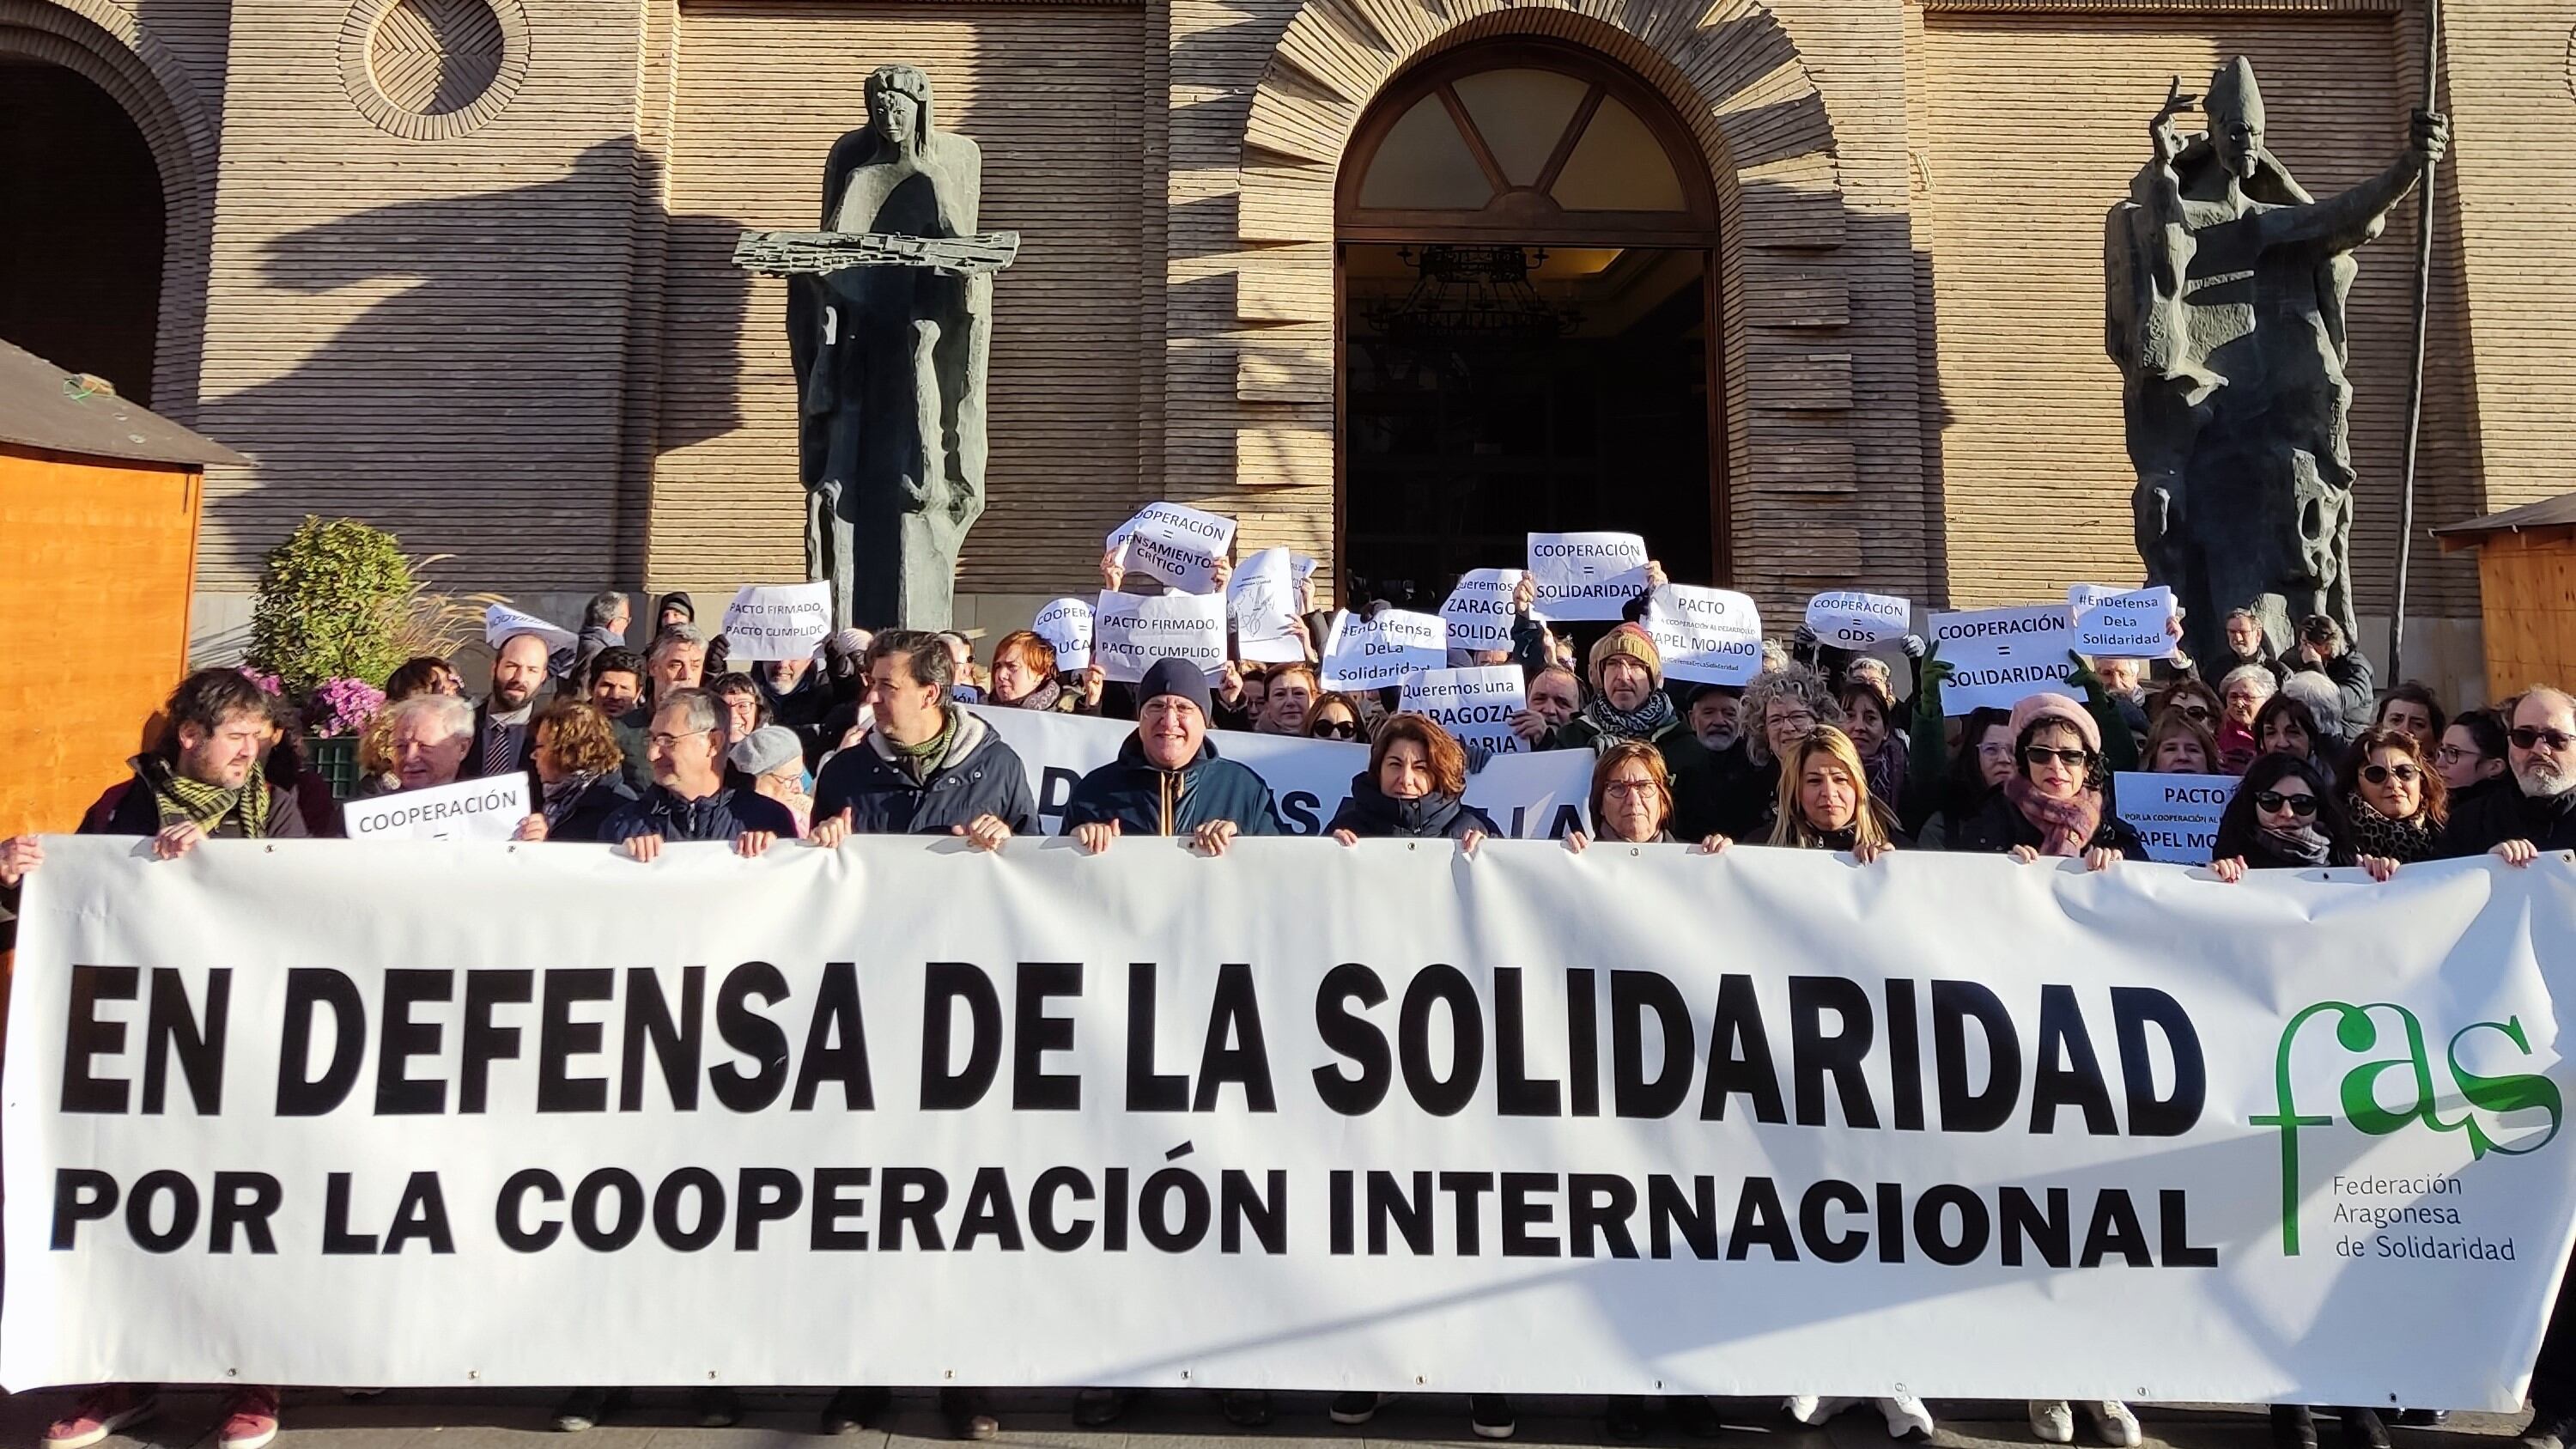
(1372, 814)
(1146, 799)
(976, 775)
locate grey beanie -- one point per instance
(771, 747)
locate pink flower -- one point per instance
(342, 707)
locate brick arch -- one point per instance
(1733, 74)
(106, 44)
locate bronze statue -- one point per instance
(889, 324)
(2226, 296)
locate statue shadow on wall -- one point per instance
(530, 337)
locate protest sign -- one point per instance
(1587, 575)
(489, 809)
(1998, 657)
(500, 621)
(1851, 620)
(1479, 610)
(2130, 624)
(1129, 632)
(1175, 546)
(1298, 1117)
(1706, 636)
(2176, 815)
(1361, 652)
(778, 621)
(1474, 704)
(1066, 626)
(1262, 601)
(1532, 796)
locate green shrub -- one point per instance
(331, 604)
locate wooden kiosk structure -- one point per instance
(99, 499)
(2527, 576)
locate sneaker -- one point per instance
(2293, 1427)
(582, 1409)
(969, 1416)
(1490, 1415)
(2363, 1428)
(2052, 1421)
(1095, 1408)
(250, 1421)
(101, 1412)
(1245, 1408)
(2549, 1431)
(2112, 1423)
(1810, 1410)
(1356, 1408)
(716, 1408)
(853, 1409)
(1906, 1417)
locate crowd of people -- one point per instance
(1824, 750)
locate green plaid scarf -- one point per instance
(178, 798)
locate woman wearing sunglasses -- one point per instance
(2054, 803)
(1335, 716)
(2393, 796)
(2284, 817)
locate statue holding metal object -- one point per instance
(2226, 296)
(889, 325)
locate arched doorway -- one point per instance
(81, 227)
(1526, 253)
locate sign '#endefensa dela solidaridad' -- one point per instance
(1307, 1116)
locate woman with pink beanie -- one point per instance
(2055, 803)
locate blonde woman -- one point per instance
(1825, 801)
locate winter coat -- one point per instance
(590, 811)
(473, 769)
(977, 775)
(800, 709)
(1700, 806)
(720, 816)
(128, 809)
(1998, 825)
(1146, 799)
(2481, 822)
(1372, 814)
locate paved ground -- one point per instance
(451, 1419)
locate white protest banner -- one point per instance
(1998, 657)
(1130, 631)
(2176, 815)
(1540, 796)
(1634, 1121)
(500, 621)
(1261, 598)
(2129, 624)
(1587, 575)
(778, 621)
(1174, 545)
(1850, 620)
(1066, 626)
(1706, 636)
(1361, 652)
(1478, 610)
(489, 809)
(1475, 704)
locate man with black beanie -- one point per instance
(1167, 779)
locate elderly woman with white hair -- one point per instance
(2241, 696)
(431, 735)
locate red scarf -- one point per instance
(2065, 827)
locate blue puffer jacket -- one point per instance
(721, 816)
(1146, 800)
(977, 775)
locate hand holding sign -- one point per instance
(1066, 626)
(2132, 624)
(1850, 620)
(1587, 575)
(1261, 598)
(1130, 632)
(1476, 705)
(779, 621)
(1999, 657)
(500, 621)
(1371, 653)
(1177, 546)
(1479, 610)
(1706, 636)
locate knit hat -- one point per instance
(688, 608)
(1632, 641)
(2057, 709)
(771, 747)
(1175, 676)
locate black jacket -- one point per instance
(1372, 814)
(978, 775)
(1998, 825)
(801, 709)
(1698, 804)
(2482, 822)
(1147, 800)
(128, 809)
(720, 816)
(590, 810)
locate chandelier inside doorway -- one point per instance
(1470, 294)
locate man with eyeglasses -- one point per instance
(2539, 813)
(689, 799)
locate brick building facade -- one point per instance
(459, 267)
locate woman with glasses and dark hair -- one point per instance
(2053, 804)
(2284, 817)
(2472, 760)
(2393, 796)
(1334, 716)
